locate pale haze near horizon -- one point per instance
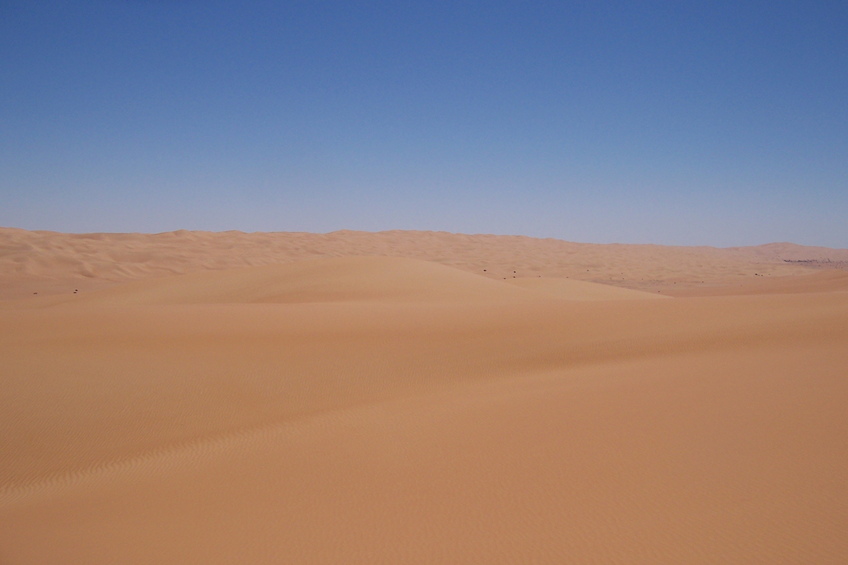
(696, 124)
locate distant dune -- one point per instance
(345, 279)
(419, 397)
(337, 279)
(50, 262)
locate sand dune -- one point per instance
(344, 279)
(375, 409)
(568, 289)
(825, 281)
(56, 263)
(341, 279)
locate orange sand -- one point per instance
(379, 398)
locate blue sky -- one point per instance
(683, 123)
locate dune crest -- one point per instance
(338, 279)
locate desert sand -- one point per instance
(419, 397)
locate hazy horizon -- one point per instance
(343, 230)
(708, 124)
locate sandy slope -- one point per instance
(339, 279)
(823, 281)
(568, 289)
(378, 410)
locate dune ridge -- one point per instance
(338, 279)
(343, 279)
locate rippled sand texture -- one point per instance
(395, 410)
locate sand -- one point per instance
(51, 263)
(381, 398)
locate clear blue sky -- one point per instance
(674, 122)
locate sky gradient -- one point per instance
(680, 123)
